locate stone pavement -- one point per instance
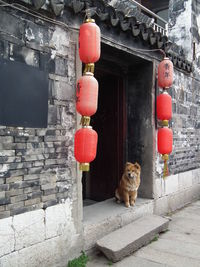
(178, 247)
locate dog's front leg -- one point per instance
(126, 199)
(133, 197)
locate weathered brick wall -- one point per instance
(185, 123)
(37, 165)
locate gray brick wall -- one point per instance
(185, 124)
(36, 165)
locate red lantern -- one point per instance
(165, 141)
(164, 106)
(165, 73)
(89, 42)
(85, 146)
(87, 95)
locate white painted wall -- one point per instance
(42, 238)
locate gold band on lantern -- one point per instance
(89, 68)
(165, 157)
(165, 123)
(85, 167)
(89, 20)
(85, 121)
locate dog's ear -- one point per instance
(137, 165)
(127, 164)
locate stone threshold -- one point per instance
(104, 217)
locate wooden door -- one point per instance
(109, 122)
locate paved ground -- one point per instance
(179, 246)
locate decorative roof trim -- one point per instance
(116, 18)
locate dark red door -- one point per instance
(109, 122)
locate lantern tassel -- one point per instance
(166, 169)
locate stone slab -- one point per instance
(165, 258)
(131, 237)
(29, 228)
(102, 218)
(176, 247)
(7, 238)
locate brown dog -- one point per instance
(128, 186)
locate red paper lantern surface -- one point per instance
(165, 140)
(164, 107)
(87, 95)
(89, 42)
(165, 73)
(85, 145)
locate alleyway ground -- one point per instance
(179, 246)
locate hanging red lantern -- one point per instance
(89, 42)
(165, 73)
(164, 107)
(165, 140)
(87, 95)
(85, 146)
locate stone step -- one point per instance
(107, 216)
(131, 237)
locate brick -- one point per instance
(48, 186)
(49, 197)
(50, 203)
(31, 189)
(23, 165)
(16, 173)
(30, 139)
(36, 170)
(15, 206)
(33, 158)
(35, 145)
(31, 177)
(24, 184)
(63, 195)
(14, 179)
(18, 211)
(34, 194)
(50, 191)
(9, 159)
(32, 201)
(15, 192)
(48, 179)
(53, 115)
(2, 195)
(55, 138)
(7, 153)
(4, 201)
(6, 139)
(38, 163)
(31, 152)
(4, 214)
(19, 198)
(4, 187)
(2, 208)
(13, 146)
(55, 161)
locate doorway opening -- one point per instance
(123, 122)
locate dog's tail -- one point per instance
(117, 196)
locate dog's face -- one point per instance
(132, 171)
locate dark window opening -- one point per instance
(23, 95)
